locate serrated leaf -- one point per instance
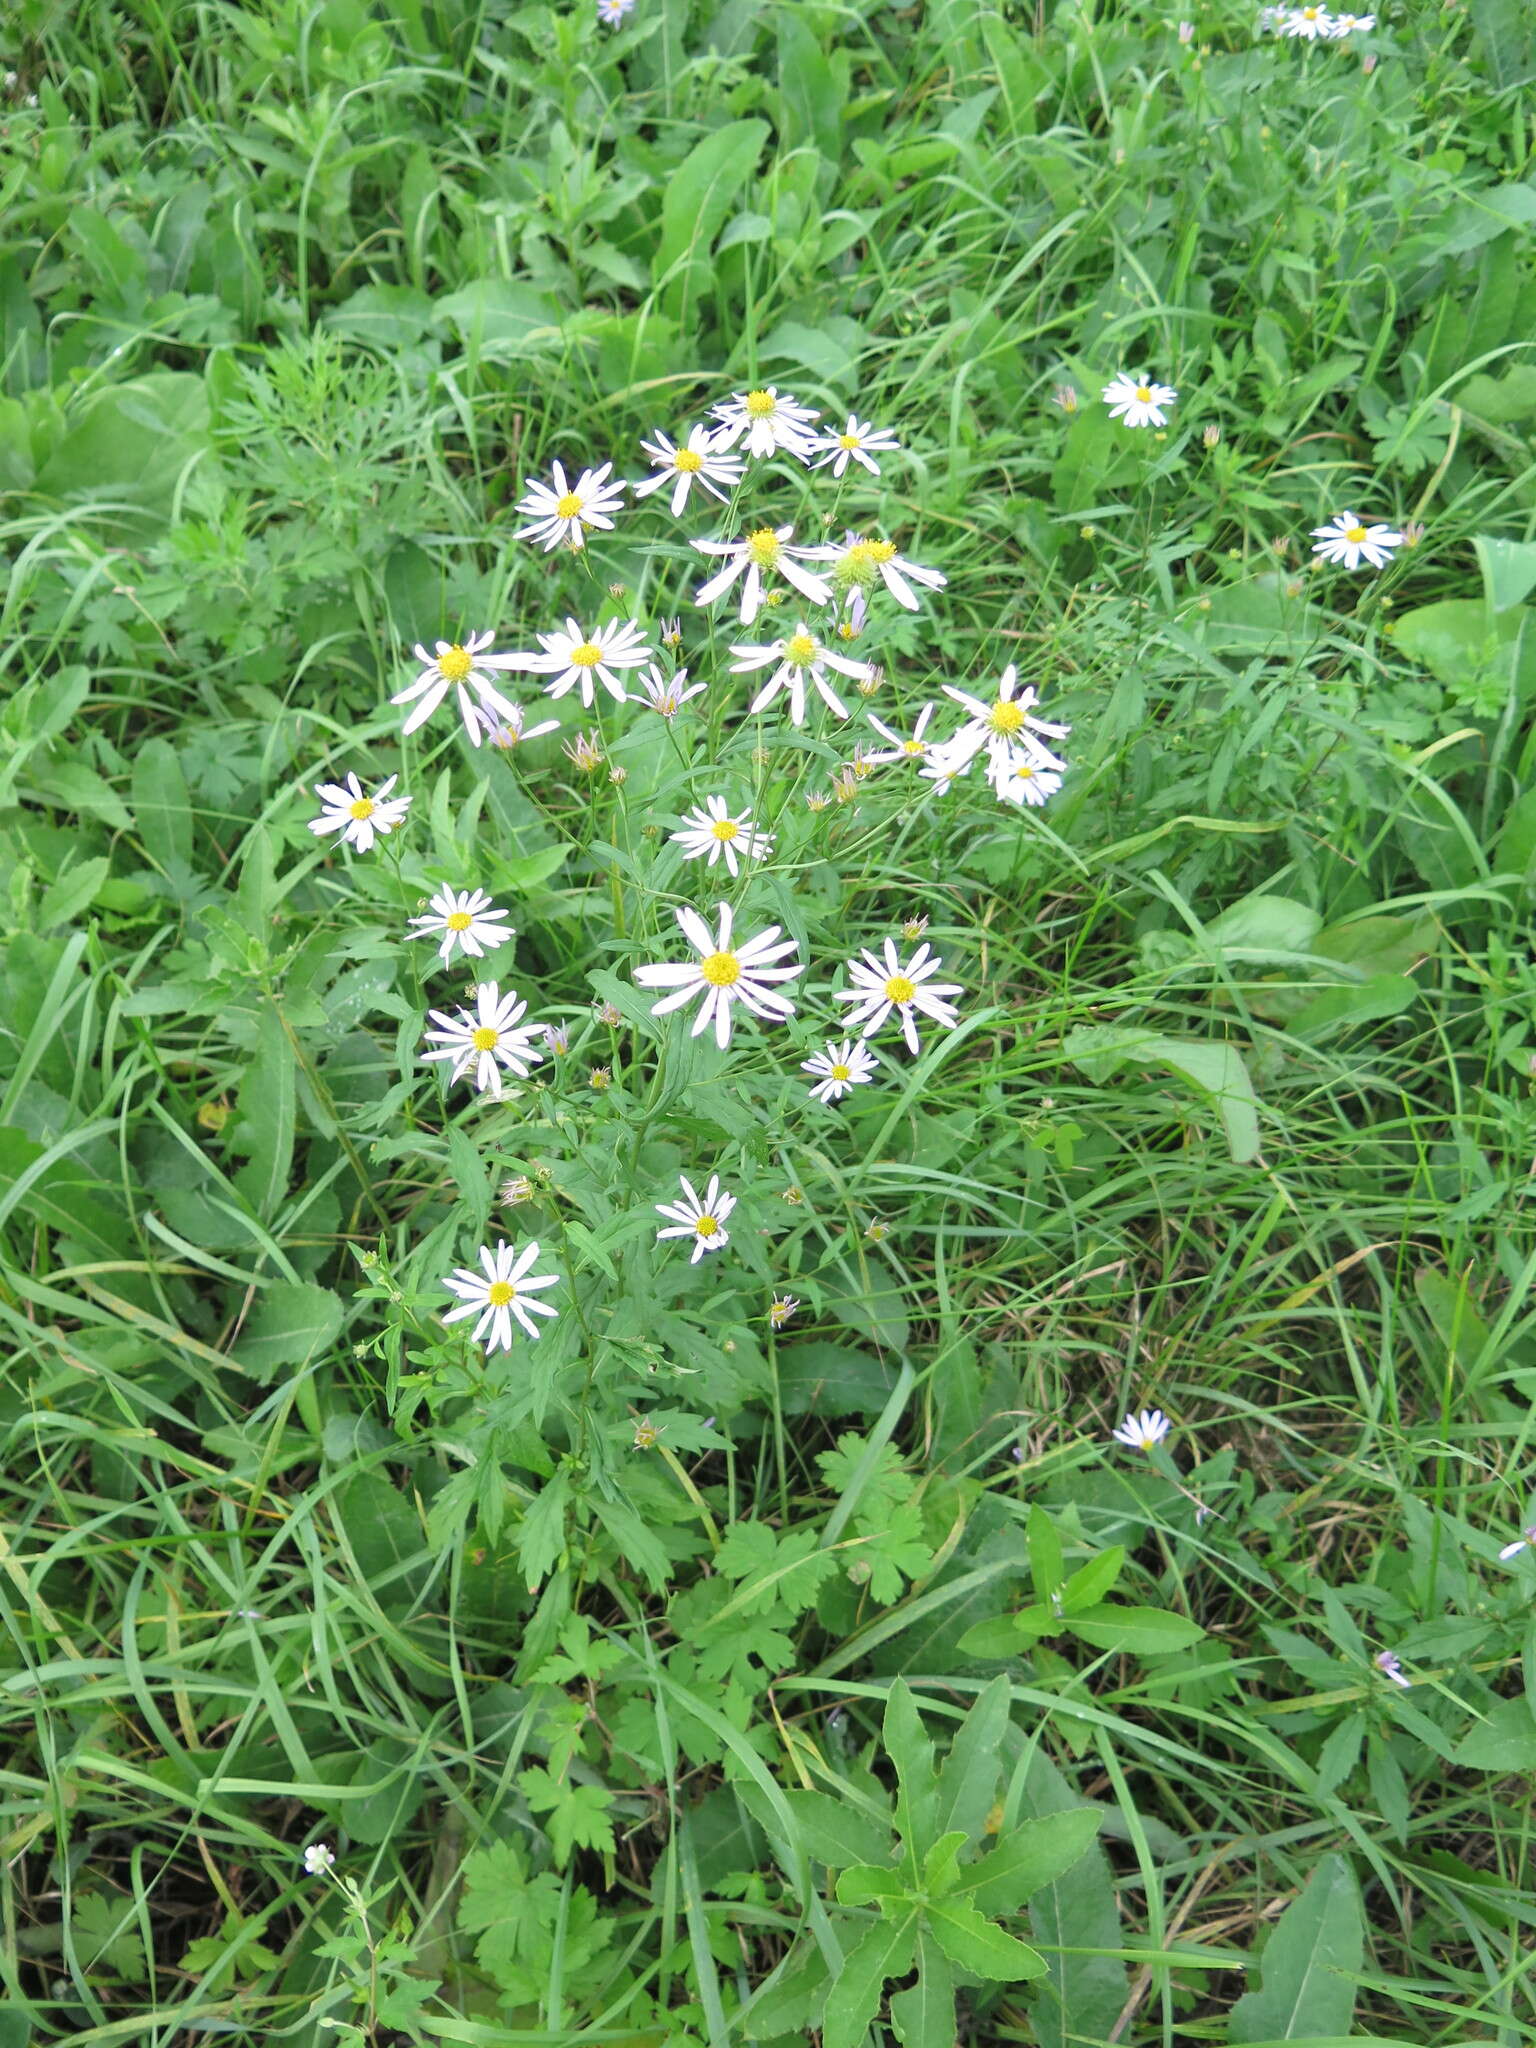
(968, 1776)
(292, 1323)
(885, 1951)
(977, 1944)
(836, 1833)
(74, 891)
(911, 1752)
(1034, 1854)
(541, 1533)
(924, 2016)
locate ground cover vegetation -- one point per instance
(765, 1023)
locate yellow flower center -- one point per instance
(914, 746)
(763, 547)
(1356, 534)
(689, 460)
(842, 1073)
(1025, 773)
(901, 988)
(458, 920)
(800, 650)
(849, 441)
(1005, 717)
(724, 830)
(761, 405)
(721, 970)
(881, 550)
(568, 507)
(707, 1227)
(363, 808)
(455, 664)
(587, 655)
(500, 1292)
(1144, 394)
(485, 1039)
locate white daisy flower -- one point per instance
(466, 918)
(574, 657)
(801, 659)
(612, 12)
(857, 563)
(781, 1308)
(1137, 400)
(768, 422)
(694, 461)
(723, 975)
(912, 748)
(761, 551)
(1351, 25)
(1005, 727)
(358, 817)
(703, 1221)
(880, 986)
(318, 1858)
(1526, 1540)
(714, 834)
(1021, 779)
(1307, 22)
(858, 442)
(507, 733)
(457, 665)
(1387, 1662)
(665, 694)
(507, 1287)
(1349, 542)
(839, 1067)
(1141, 1432)
(488, 1038)
(564, 511)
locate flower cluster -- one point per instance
(1314, 24)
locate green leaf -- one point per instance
(978, 1945)
(1505, 1742)
(992, 1639)
(1090, 1582)
(924, 2016)
(578, 1815)
(1459, 640)
(1035, 1854)
(292, 1323)
(1081, 1996)
(1308, 1972)
(1146, 1631)
(1216, 1070)
(1509, 570)
(836, 1833)
(866, 1881)
(912, 1753)
(968, 1776)
(496, 317)
(886, 1950)
(1045, 1563)
(162, 807)
(698, 196)
(811, 96)
(541, 1534)
(268, 1103)
(74, 891)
